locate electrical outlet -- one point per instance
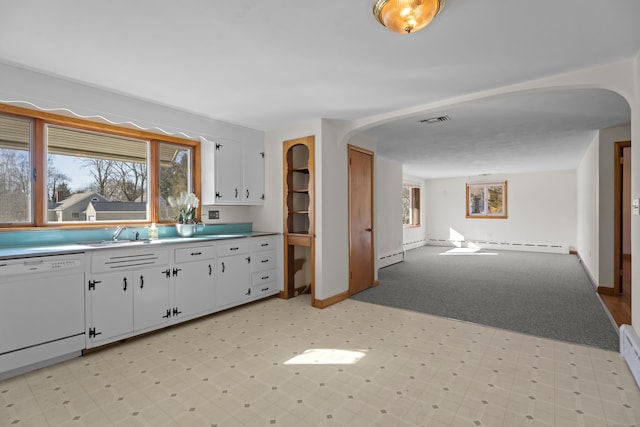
(214, 214)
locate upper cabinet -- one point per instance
(232, 173)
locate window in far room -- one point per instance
(410, 205)
(487, 200)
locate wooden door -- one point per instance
(360, 220)
(622, 220)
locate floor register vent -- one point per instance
(630, 349)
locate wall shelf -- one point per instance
(299, 223)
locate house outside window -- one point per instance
(487, 200)
(410, 205)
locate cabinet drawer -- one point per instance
(264, 290)
(115, 259)
(195, 253)
(263, 261)
(263, 244)
(233, 247)
(263, 277)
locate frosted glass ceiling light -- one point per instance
(406, 16)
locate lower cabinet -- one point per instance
(151, 304)
(110, 306)
(193, 281)
(234, 274)
(136, 290)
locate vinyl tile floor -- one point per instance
(285, 363)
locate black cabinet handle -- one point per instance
(233, 249)
(176, 312)
(196, 253)
(264, 244)
(265, 277)
(247, 194)
(210, 270)
(175, 271)
(166, 316)
(141, 281)
(167, 272)
(264, 261)
(125, 284)
(248, 291)
(248, 260)
(236, 196)
(264, 289)
(223, 267)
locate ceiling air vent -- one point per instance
(436, 120)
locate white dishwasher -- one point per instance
(41, 311)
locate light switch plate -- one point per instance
(214, 214)
(635, 206)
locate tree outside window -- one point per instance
(410, 206)
(487, 200)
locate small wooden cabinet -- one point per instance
(299, 219)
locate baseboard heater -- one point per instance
(630, 349)
(389, 259)
(513, 246)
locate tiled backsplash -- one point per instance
(54, 237)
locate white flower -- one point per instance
(185, 205)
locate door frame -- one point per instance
(350, 149)
(617, 215)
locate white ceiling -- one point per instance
(269, 64)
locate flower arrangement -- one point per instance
(185, 206)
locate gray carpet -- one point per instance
(546, 295)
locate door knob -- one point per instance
(368, 229)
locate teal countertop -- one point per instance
(54, 242)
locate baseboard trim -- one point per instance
(602, 290)
(592, 279)
(324, 303)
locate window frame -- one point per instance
(415, 212)
(39, 121)
(485, 213)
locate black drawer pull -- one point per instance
(264, 260)
(265, 277)
(196, 253)
(264, 244)
(264, 289)
(234, 249)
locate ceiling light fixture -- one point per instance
(406, 16)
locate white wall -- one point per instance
(588, 212)
(29, 89)
(388, 210)
(635, 190)
(413, 237)
(541, 209)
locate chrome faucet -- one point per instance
(116, 234)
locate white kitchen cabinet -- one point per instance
(113, 293)
(193, 281)
(110, 306)
(264, 266)
(253, 155)
(233, 285)
(232, 172)
(151, 304)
